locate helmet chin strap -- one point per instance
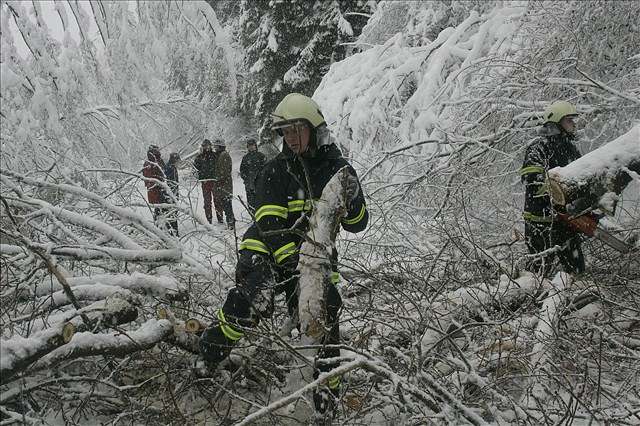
(322, 136)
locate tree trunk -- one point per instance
(315, 256)
(315, 263)
(609, 168)
(118, 344)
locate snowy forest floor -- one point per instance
(453, 335)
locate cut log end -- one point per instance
(193, 326)
(556, 192)
(162, 313)
(68, 330)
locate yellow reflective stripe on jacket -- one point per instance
(335, 277)
(271, 210)
(544, 190)
(334, 382)
(285, 251)
(227, 330)
(255, 245)
(300, 205)
(356, 219)
(535, 218)
(531, 169)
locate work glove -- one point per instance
(352, 188)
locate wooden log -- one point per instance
(186, 334)
(609, 168)
(90, 344)
(315, 256)
(18, 353)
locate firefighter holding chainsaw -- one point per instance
(286, 189)
(543, 229)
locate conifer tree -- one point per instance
(289, 46)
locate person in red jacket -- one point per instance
(153, 168)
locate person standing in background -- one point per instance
(251, 164)
(205, 164)
(223, 189)
(153, 168)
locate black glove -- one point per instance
(352, 188)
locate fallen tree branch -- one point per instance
(18, 352)
(90, 344)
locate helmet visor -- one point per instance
(289, 126)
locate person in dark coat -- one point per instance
(251, 164)
(171, 173)
(205, 164)
(153, 168)
(223, 187)
(267, 261)
(543, 231)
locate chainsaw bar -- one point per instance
(611, 241)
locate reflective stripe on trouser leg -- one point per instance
(227, 329)
(334, 382)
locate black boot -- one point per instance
(325, 402)
(214, 346)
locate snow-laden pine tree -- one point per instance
(289, 46)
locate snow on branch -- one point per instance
(455, 305)
(159, 286)
(123, 213)
(19, 352)
(89, 344)
(315, 254)
(601, 171)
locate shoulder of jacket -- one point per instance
(274, 165)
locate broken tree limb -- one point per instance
(17, 353)
(89, 344)
(81, 293)
(599, 172)
(315, 266)
(454, 306)
(186, 334)
(315, 255)
(152, 285)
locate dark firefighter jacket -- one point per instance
(251, 164)
(552, 149)
(282, 196)
(205, 164)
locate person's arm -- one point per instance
(226, 170)
(197, 163)
(533, 174)
(533, 169)
(243, 168)
(357, 216)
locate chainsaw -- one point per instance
(587, 224)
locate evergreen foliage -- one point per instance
(289, 46)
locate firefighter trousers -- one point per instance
(257, 283)
(540, 237)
